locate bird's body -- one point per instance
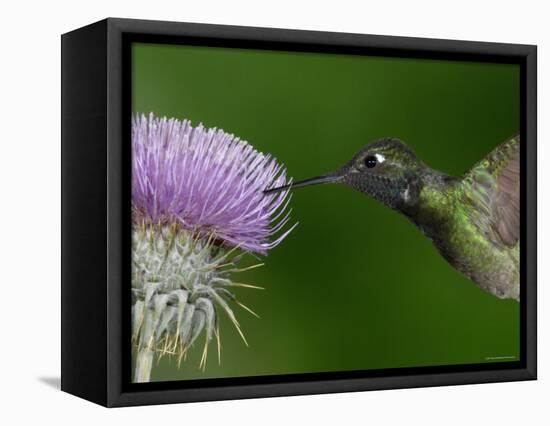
(461, 217)
(473, 221)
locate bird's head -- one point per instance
(387, 170)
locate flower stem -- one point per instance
(144, 364)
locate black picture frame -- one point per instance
(96, 214)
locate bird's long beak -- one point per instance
(329, 178)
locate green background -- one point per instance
(355, 286)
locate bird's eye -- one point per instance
(371, 161)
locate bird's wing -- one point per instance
(494, 189)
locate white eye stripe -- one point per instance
(406, 194)
(380, 158)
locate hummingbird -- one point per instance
(473, 220)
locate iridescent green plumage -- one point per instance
(473, 220)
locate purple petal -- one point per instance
(207, 181)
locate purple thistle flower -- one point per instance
(194, 192)
(208, 182)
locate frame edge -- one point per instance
(83, 213)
